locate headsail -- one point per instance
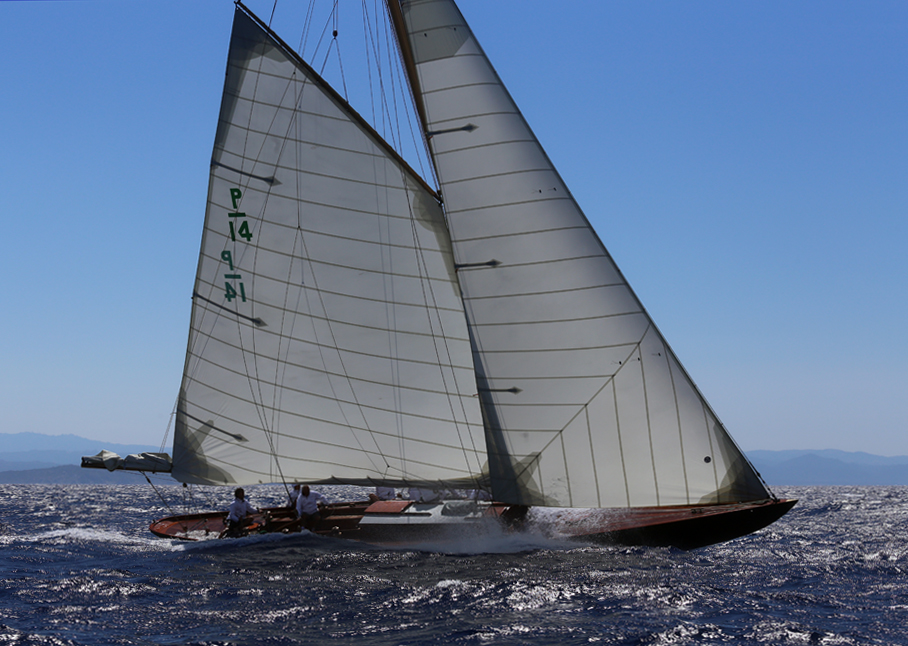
(584, 402)
(327, 341)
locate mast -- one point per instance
(406, 54)
(409, 61)
(504, 480)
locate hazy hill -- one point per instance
(829, 467)
(28, 451)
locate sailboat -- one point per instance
(354, 324)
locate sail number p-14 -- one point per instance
(243, 232)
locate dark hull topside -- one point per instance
(399, 522)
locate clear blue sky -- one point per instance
(746, 163)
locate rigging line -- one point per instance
(421, 148)
(341, 360)
(173, 414)
(268, 428)
(321, 39)
(273, 9)
(671, 376)
(712, 450)
(636, 348)
(393, 75)
(366, 38)
(391, 119)
(277, 390)
(166, 504)
(343, 367)
(386, 247)
(387, 113)
(307, 25)
(400, 91)
(649, 423)
(307, 31)
(372, 42)
(627, 486)
(429, 295)
(330, 327)
(294, 123)
(394, 123)
(386, 252)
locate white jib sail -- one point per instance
(585, 403)
(328, 341)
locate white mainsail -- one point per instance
(585, 404)
(328, 340)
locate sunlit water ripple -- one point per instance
(78, 566)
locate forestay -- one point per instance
(584, 402)
(328, 341)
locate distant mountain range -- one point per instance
(34, 458)
(829, 467)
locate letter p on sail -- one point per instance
(227, 257)
(235, 195)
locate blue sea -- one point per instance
(78, 566)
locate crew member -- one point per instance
(309, 506)
(240, 511)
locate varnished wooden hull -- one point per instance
(399, 522)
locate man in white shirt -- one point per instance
(308, 506)
(238, 517)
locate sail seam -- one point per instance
(439, 124)
(649, 423)
(671, 375)
(327, 263)
(472, 148)
(277, 166)
(589, 434)
(495, 176)
(549, 321)
(515, 234)
(536, 199)
(618, 434)
(512, 378)
(467, 477)
(537, 263)
(352, 297)
(497, 297)
(462, 86)
(325, 205)
(328, 422)
(331, 373)
(584, 348)
(335, 320)
(482, 146)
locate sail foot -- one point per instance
(146, 462)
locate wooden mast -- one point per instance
(406, 54)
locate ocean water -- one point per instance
(78, 566)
